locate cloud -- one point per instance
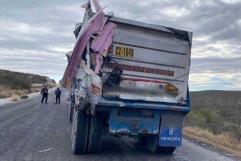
(35, 35)
(174, 12)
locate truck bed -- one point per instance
(155, 61)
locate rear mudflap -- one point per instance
(171, 129)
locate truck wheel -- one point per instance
(79, 133)
(167, 150)
(94, 145)
(71, 112)
(141, 140)
(152, 144)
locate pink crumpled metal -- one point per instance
(93, 27)
(99, 61)
(102, 42)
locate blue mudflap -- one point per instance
(171, 129)
(170, 137)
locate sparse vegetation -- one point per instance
(14, 98)
(216, 115)
(24, 97)
(223, 141)
(6, 92)
(17, 80)
(17, 85)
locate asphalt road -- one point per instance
(31, 131)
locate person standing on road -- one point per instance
(57, 94)
(45, 94)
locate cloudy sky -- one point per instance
(35, 35)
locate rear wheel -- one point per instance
(95, 131)
(141, 140)
(71, 112)
(153, 146)
(79, 135)
(152, 143)
(167, 150)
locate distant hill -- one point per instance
(216, 99)
(218, 111)
(17, 83)
(18, 80)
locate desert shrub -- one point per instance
(15, 98)
(14, 81)
(222, 141)
(217, 111)
(24, 97)
(17, 80)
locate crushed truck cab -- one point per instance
(127, 78)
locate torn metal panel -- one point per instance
(94, 37)
(102, 42)
(85, 34)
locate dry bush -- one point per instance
(6, 92)
(24, 97)
(222, 141)
(14, 98)
(20, 92)
(34, 90)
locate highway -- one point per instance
(31, 131)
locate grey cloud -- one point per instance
(216, 19)
(216, 65)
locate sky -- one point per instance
(35, 35)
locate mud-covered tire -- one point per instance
(153, 146)
(141, 141)
(71, 112)
(95, 131)
(79, 134)
(152, 143)
(166, 150)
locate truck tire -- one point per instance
(95, 132)
(141, 140)
(166, 150)
(79, 134)
(71, 112)
(153, 146)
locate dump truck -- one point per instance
(144, 89)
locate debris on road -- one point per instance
(45, 150)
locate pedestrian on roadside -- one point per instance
(57, 94)
(45, 94)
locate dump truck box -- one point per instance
(145, 89)
(155, 61)
(152, 97)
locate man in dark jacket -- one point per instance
(57, 94)
(45, 94)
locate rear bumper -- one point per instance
(167, 125)
(166, 121)
(128, 123)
